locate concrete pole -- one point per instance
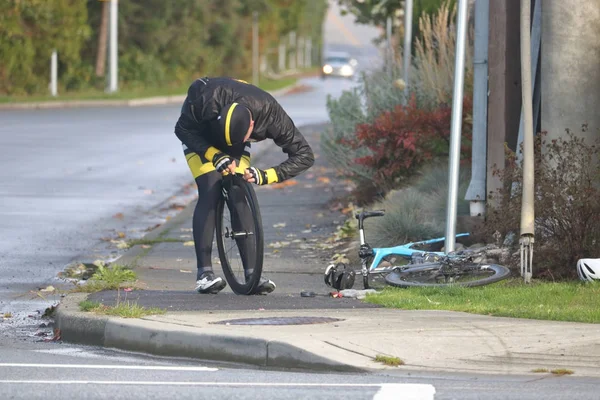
(113, 61)
(282, 57)
(300, 53)
(455, 131)
(570, 67)
(255, 58)
(308, 53)
(408, 17)
(476, 192)
(294, 47)
(54, 74)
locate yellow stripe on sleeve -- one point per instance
(228, 124)
(210, 153)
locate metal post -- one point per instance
(390, 56)
(476, 193)
(255, 61)
(408, 16)
(455, 132)
(114, 73)
(54, 74)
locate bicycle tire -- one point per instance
(427, 272)
(248, 239)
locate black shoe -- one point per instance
(209, 283)
(265, 286)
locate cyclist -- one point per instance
(219, 119)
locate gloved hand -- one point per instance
(256, 175)
(222, 162)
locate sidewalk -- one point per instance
(341, 334)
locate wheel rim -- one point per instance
(433, 275)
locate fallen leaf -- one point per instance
(279, 225)
(128, 289)
(186, 229)
(284, 184)
(185, 236)
(121, 234)
(323, 179)
(179, 259)
(168, 218)
(185, 271)
(119, 216)
(277, 245)
(148, 191)
(48, 289)
(307, 231)
(189, 243)
(146, 246)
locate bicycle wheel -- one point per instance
(439, 275)
(239, 235)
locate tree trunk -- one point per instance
(102, 38)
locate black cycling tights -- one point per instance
(209, 193)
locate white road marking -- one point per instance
(396, 391)
(405, 391)
(92, 366)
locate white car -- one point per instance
(338, 64)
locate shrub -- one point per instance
(433, 73)
(419, 211)
(567, 210)
(400, 141)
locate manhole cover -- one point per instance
(279, 321)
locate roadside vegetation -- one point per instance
(125, 309)
(113, 277)
(394, 152)
(556, 301)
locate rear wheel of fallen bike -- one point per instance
(239, 235)
(440, 275)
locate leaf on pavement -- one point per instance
(188, 243)
(119, 216)
(185, 271)
(279, 225)
(121, 235)
(323, 179)
(284, 184)
(277, 245)
(48, 289)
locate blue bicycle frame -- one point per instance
(405, 250)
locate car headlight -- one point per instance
(346, 70)
(327, 69)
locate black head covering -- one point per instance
(234, 122)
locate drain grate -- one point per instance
(279, 321)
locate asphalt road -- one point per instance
(51, 370)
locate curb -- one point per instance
(144, 336)
(140, 102)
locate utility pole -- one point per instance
(390, 51)
(408, 16)
(54, 74)
(114, 73)
(255, 66)
(455, 131)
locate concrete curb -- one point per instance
(161, 339)
(140, 102)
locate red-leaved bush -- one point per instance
(403, 139)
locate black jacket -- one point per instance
(197, 125)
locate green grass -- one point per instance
(124, 309)
(128, 93)
(540, 370)
(562, 371)
(107, 278)
(388, 360)
(563, 301)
